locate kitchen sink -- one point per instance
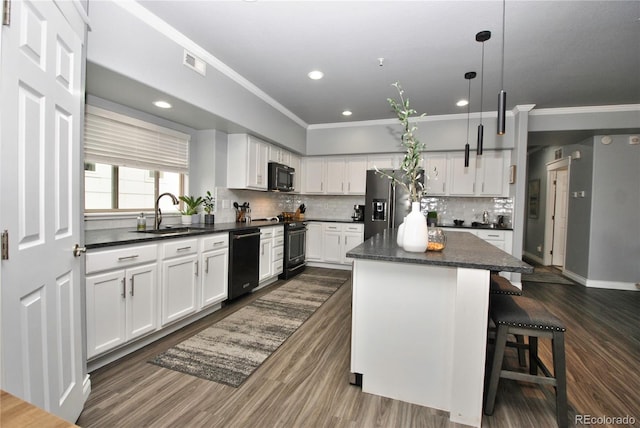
(169, 230)
(485, 225)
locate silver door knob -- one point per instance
(78, 250)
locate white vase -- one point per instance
(416, 235)
(187, 219)
(400, 234)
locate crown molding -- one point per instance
(586, 109)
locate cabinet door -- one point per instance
(141, 300)
(436, 173)
(296, 163)
(314, 242)
(491, 174)
(356, 175)
(314, 175)
(388, 161)
(463, 180)
(257, 164)
(332, 237)
(266, 263)
(214, 278)
(105, 306)
(335, 176)
(351, 240)
(179, 287)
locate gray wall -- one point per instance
(439, 133)
(615, 229)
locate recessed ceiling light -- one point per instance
(462, 103)
(347, 113)
(315, 75)
(162, 104)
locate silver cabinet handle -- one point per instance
(196, 268)
(218, 243)
(184, 248)
(206, 265)
(124, 288)
(128, 257)
(132, 285)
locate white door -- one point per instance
(560, 217)
(41, 97)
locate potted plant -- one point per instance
(191, 205)
(412, 234)
(209, 204)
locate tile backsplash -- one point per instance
(270, 204)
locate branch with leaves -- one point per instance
(411, 172)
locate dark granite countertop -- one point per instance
(111, 237)
(333, 220)
(481, 227)
(463, 250)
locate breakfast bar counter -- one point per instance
(419, 321)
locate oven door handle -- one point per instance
(248, 235)
(297, 267)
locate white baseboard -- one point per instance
(595, 283)
(329, 265)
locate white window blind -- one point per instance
(115, 139)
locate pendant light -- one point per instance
(468, 75)
(502, 96)
(481, 37)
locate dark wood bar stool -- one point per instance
(524, 316)
(498, 286)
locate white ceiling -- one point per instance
(557, 53)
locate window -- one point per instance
(128, 162)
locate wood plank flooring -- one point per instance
(305, 382)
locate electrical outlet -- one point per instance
(539, 248)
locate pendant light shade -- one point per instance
(481, 37)
(468, 75)
(502, 96)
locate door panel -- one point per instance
(41, 96)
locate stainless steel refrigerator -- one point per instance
(386, 203)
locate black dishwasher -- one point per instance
(244, 261)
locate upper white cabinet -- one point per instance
(247, 161)
(384, 161)
(295, 162)
(345, 175)
(435, 173)
(279, 155)
(486, 175)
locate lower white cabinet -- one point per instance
(179, 281)
(121, 303)
(329, 242)
(214, 266)
(271, 252)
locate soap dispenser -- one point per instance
(142, 222)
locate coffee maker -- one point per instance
(358, 213)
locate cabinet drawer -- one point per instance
(278, 231)
(266, 233)
(278, 267)
(120, 257)
(180, 247)
(277, 253)
(332, 227)
(214, 242)
(354, 228)
(278, 241)
(491, 235)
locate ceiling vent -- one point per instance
(195, 63)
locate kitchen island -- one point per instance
(419, 321)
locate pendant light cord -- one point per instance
(468, 110)
(481, 82)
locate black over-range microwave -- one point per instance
(280, 177)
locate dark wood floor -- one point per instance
(305, 382)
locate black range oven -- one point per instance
(294, 248)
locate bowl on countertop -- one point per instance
(458, 222)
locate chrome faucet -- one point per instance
(158, 213)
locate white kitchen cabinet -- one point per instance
(180, 273)
(333, 242)
(356, 175)
(384, 161)
(247, 162)
(266, 261)
(353, 235)
(335, 176)
(277, 251)
(435, 173)
(338, 238)
(279, 155)
(314, 244)
(314, 176)
(485, 176)
(214, 264)
(120, 303)
(295, 162)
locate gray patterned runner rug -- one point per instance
(233, 348)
